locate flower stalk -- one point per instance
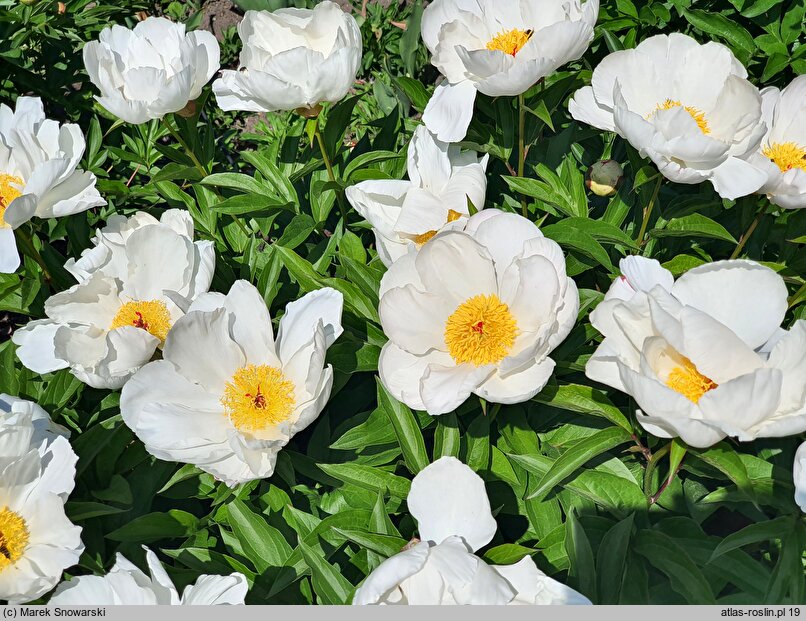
(522, 147)
(197, 163)
(317, 132)
(641, 239)
(750, 230)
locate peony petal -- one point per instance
(450, 110)
(447, 498)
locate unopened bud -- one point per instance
(604, 177)
(141, 16)
(61, 8)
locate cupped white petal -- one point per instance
(533, 587)
(447, 498)
(748, 298)
(450, 110)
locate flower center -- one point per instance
(689, 382)
(257, 397)
(510, 42)
(481, 331)
(8, 192)
(786, 155)
(453, 216)
(697, 115)
(13, 537)
(151, 316)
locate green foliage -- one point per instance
(568, 472)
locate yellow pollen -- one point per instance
(689, 382)
(151, 316)
(8, 192)
(453, 216)
(258, 397)
(13, 537)
(697, 115)
(786, 155)
(481, 331)
(510, 42)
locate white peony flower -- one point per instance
(452, 510)
(799, 476)
(227, 396)
(477, 312)
(686, 106)
(133, 286)
(38, 173)
(782, 155)
(108, 254)
(126, 585)
(292, 58)
(409, 213)
(704, 357)
(152, 70)
(37, 471)
(497, 47)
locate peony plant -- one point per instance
(402, 303)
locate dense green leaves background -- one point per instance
(573, 480)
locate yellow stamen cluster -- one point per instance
(510, 42)
(151, 316)
(481, 331)
(14, 537)
(689, 382)
(786, 155)
(697, 115)
(453, 216)
(8, 192)
(258, 397)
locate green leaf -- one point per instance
(263, 544)
(408, 433)
(310, 280)
(579, 240)
(156, 526)
(369, 478)
(236, 181)
(328, 582)
(774, 529)
(447, 440)
(579, 454)
(385, 545)
(720, 26)
(414, 90)
(722, 457)
(611, 559)
(696, 225)
(580, 555)
(507, 554)
(372, 432)
(297, 231)
(585, 400)
(685, 577)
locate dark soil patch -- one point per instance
(219, 15)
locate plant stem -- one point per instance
(199, 166)
(317, 130)
(28, 244)
(652, 465)
(656, 496)
(648, 212)
(751, 229)
(522, 147)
